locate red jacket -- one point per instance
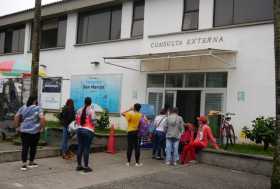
(187, 136)
(206, 135)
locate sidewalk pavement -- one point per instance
(109, 171)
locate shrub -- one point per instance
(104, 121)
(263, 132)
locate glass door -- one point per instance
(170, 99)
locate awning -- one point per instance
(222, 58)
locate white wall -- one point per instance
(254, 73)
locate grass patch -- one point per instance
(98, 130)
(107, 131)
(252, 149)
(53, 124)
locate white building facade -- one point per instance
(198, 55)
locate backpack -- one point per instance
(143, 129)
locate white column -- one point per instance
(127, 13)
(71, 31)
(27, 38)
(206, 13)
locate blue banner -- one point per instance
(104, 90)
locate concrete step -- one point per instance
(15, 155)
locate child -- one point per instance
(186, 137)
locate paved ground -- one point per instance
(111, 173)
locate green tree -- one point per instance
(275, 179)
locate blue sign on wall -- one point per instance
(104, 90)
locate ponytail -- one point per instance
(84, 112)
(84, 115)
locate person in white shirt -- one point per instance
(159, 141)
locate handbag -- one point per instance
(72, 127)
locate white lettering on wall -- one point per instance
(190, 41)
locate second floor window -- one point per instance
(191, 13)
(138, 19)
(229, 12)
(53, 33)
(12, 40)
(100, 25)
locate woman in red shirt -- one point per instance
(187, 137)
(204, 134)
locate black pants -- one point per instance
(29, 144)
(133, 142)
(84, 141)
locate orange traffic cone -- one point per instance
(111, 141)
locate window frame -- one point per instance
(191, 11)
(232, 19)
(20, 35)
(57, 19)
(137, 19)
(92, 12)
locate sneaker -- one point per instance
(79, 168)
(23, 168)
(87, 169)
(167, 163)
(32, 165)
(175, 163)
(127, 164)
(159, 158)
(139, 164)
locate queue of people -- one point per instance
(180, 140)
(173, 140)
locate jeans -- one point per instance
(160, 143)
(29, 144)
(64, 144)
(133, 142)
(172, 149)
(84, 141)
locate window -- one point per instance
(100, 25)
(156, 80)
(190, 17)
(228, 12)
(216, 79)
(12, 40)
(138, 19)
(155, 99)
(213, 101)
(53, 33)
(194, 80)
(174, 80)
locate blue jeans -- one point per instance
(172, 149)
(64, 144)
(84, 141)
(160, 143)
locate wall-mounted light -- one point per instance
(95, 63)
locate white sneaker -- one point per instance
(167, 163)
(127, 164)
(32, 165)
(23, 168)
(174, 163)
(139, 164)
